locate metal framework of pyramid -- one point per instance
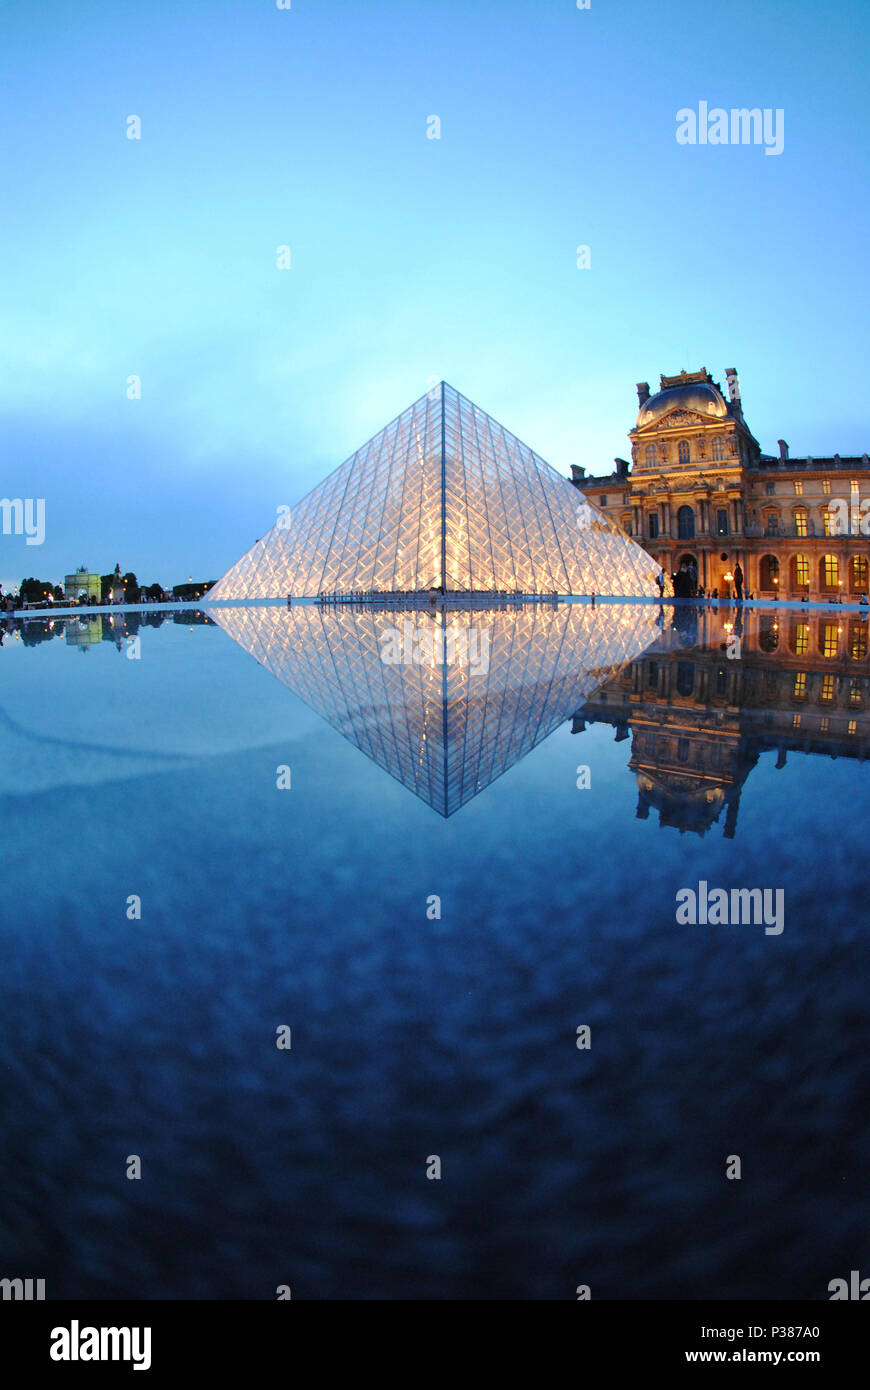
(447, 725)
(443, 497)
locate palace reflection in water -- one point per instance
(699, 718)
(446, 702)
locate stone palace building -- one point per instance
(699, 488)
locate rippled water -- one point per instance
(415, 1036)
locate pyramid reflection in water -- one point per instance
(443, 497)
(443, 701)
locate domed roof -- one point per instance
(695, 395)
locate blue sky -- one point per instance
(411, 258)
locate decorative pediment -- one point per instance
(682, 418)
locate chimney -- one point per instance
(578, 474)
(621, 468)
(642, 393)
(783, 449)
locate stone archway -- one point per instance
(768, 574)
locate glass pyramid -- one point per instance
(444, 702)
(444, 496)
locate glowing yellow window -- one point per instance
(829, 641)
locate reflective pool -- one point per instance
(445, 851)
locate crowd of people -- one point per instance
(685, 582)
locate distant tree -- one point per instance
(131, 588)
(32, 590)
(106, 587)
(58, 591)
(154, 593)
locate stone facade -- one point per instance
(699, 486)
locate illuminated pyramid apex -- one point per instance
(442, 497)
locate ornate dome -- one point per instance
(695, 395)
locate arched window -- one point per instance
(800, 572)
(858, 574)
(800, 521)
(683, 451)
(685, 522)
(651, 453)
(769, 572)
(718, 449)
(768, 632)
(829, 572)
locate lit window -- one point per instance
(828, 642)
(856, 695)
(853, 727)
(801, 639)
(798, 487)
(829, 521)
(683, 451)
(827, 689)
(800, 522)
(830, 572)
(801, 566)
(853, 488)
(858, 641)
(826, 486)
(824, 724)
(796, 721)
(718, 449)
(800, 685)
(858, 574)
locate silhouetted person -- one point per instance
(738, 582)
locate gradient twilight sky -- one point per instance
(411, 258)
